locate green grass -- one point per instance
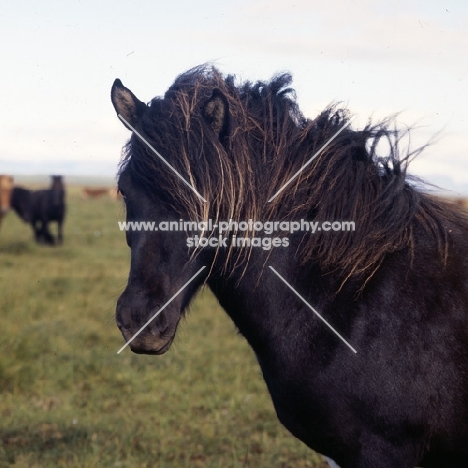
(68, 400)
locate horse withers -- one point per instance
(40, 207)
(395, 288)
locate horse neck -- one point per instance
(263, 307)
(57, 185)
(57, 191)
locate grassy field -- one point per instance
(68, 400)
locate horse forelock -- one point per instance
(268, 142)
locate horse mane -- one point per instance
(240, 162)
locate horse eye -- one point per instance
(120, 191)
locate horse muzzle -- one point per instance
(146, 343)
(146, 332)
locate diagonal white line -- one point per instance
(160, 310)
(161, 158)
(312, 309)
(311, 159)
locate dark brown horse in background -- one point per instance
(6, 188)
(396, 288)
(40, 207)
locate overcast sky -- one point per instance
(59, 60)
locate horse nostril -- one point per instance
(123, 318)
(162, 323)
(121, 324)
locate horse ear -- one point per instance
(216, 113)
(126, 104)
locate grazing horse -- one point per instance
(98, 192)
(462, 203)
(40, 207)
(6, 188)
(361, 335)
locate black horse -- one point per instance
(40, 207)
(395, 289)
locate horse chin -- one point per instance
(149, 346)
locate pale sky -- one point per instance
(59, 60)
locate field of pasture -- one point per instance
(67, 399)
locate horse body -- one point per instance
(396, 289)
(40, 207)
(392, 401)
(6, 188)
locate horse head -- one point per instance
(151, 306)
